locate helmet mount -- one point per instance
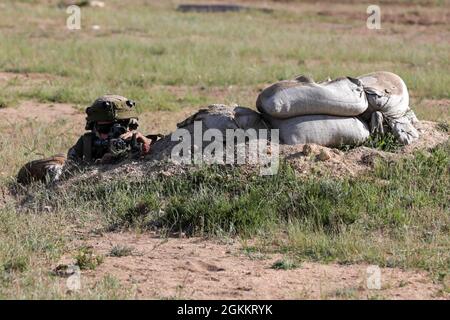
(111, 108)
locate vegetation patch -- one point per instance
(121, 251)
(86, 259)
(396, 216)
(284, 264)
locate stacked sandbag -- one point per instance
(223, 117)
(339, 111)
(302, 96)
(321, 113)
(325, 130)
(387, 95)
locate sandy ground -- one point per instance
(42, 112)
(203, 269)
(194, 268)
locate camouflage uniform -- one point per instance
(109, 109)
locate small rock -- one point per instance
(336, 151)
(96, 27)
(324, 155)
(99, 4)
(307, 149)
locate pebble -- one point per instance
(324, 155)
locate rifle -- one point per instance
(120, 148)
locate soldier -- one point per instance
(112, 136)
(111, 121)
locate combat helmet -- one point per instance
(111, 108)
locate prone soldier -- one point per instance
(112, 137)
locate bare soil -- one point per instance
(28, 76)
(41, 112)
(196, 268)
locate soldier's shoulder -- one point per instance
(77, 150)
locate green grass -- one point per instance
(86, 259)
(404, 204)
(444, 126)
(396, 216)
(121, 251)
(160, 46)
(284, 264)
(386, 142)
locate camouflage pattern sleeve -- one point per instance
(75, 153)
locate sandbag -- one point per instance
(216, 116)
(247, 118)
(386, 92)
(223, 117)
(302, 96)
(376, 124)
(325, 130)
(220, 117)
(403, 130)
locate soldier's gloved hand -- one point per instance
(140, 138)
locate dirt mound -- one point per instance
(305, 159)
(340, 163)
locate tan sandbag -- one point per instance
(387, 93)
(249, 119)
(325, 130)
(220, 117)
(223, 117)
(216, 116)
(403, 130)
(45, 170)
(302, 96)
(377, 124)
